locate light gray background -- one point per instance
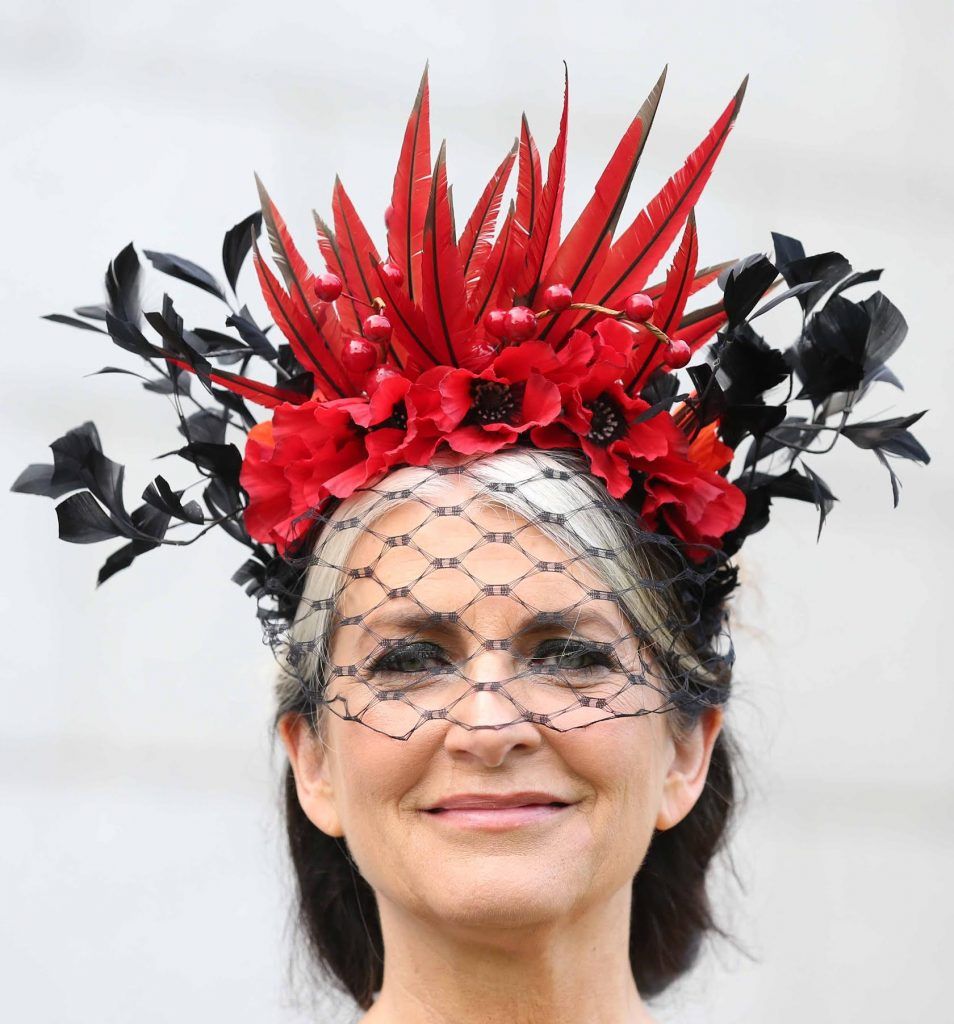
(142, 861)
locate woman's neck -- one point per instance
(562, 972)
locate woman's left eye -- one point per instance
(571, 655)
(411, 657)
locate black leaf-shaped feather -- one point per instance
(747, 281)
(122, 285)
(237, 245)
(890, 436)
(827, 269)
(122, 558)
(92, 312)
(160, 495)
(82, 520)
(72, 321)
(253, 336)
(830, 355)
(205, 425)
(185, 270)
(38, 479)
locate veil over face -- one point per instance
(506, 573)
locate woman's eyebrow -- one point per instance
(414, 619)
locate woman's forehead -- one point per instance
(446, 556)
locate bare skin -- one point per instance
(527, 924)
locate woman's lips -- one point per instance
(497, 818)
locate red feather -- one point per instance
(703, 277)
(476, 241)
(303, 332)
(487, 287)
(410, 328)
(299, 280)
(700, 325)
(355, 248)
(669, 308)
(545, 236)
(253, 390)
(584, 249)
(529, 183)
(348, 312)
(640, 248)
(412, 182)
(289, 261)
(672, 302)
(444, 296)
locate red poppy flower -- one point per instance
(489, 410)
(289, 462)
(697, 504)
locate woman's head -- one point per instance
(498, 627)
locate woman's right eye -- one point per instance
(415, 657)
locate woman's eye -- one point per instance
(571, 655)
(416, 657)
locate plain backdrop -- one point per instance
(142, 860)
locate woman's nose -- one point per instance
(485, 723)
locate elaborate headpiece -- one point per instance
(477, 340)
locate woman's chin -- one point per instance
(489, 892)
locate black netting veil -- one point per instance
(514, 574)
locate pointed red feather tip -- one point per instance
(584, 250)
(672, 302)
(476, 241)
(303, 331)
(409, 197)
(638, 250)
(486, 293)
(289, 261)
(703, 277)
(545, 236)
(444, 297)
(355, 248)
(347, 309)
(529, 181)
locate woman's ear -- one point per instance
(687, 772)
(308, 760)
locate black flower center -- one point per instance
(396, 421)
(608, 422)
(494, 402)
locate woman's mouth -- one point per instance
(497, 818)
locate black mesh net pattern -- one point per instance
(512, 573)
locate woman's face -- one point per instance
(543, 636)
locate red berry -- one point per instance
(392, 273)
(359, 356)
(639, 307)
(377, 328)
(378, 376)
(328, 287)
(558, 297)
(495, 323)
(520, 324)
(677, 354)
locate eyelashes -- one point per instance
(564, 654)
(417, 656)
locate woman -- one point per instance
(488, 862)
(490, 527)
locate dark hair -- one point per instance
(671, 911)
